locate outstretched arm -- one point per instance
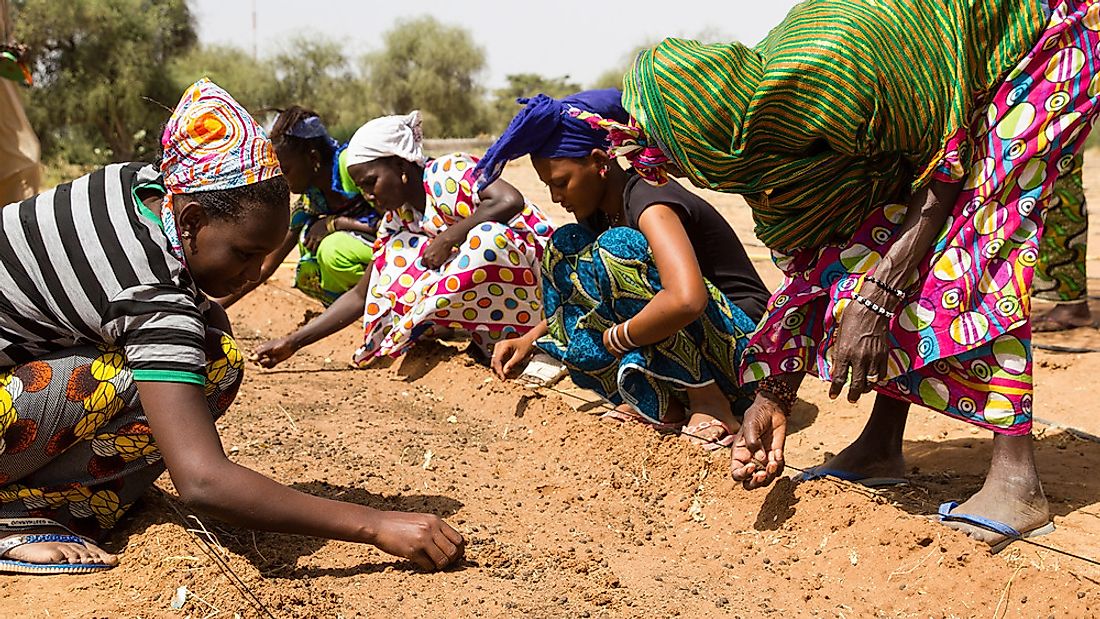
(346, 310)
(861, 346)
(209, 482)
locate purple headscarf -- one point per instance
(544, 129)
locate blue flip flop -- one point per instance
(821, 472)
(12, 566)
(946, 514)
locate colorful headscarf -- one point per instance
(312, 128)
(211, 143)
(387, 136)
(827, 118)
(629, 141)
(544, 128)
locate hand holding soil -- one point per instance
(424, 539)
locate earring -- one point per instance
(404, 178)
(603, 172)
(316, 167)
(186, 234)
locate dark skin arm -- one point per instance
(270, 265)
(862, 345)
(682, 299)
(683, 295)
(345, 311)
(209, 482)
(500, 202)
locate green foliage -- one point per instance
(107, 73)
(435, 68)
(504, 105)
(93, 62)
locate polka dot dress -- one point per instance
(489, 288)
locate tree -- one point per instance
(251, 82)
(432, 67)
(95, 62)
(315, 73)
(526, 85)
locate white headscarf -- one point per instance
(388, 136)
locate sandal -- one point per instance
(693, 434)
(13, 566)
(633, 416)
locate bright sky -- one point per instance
(579, 38)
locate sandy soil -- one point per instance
(568, 516)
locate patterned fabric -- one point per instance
(591, 283)
(1060, 275)
(76, 446)
(340, 262)
(544, 129)
(489, 289)
(962, 343)
(629, 141)
(211, 143)
(342, 257)
(869, 125)
(88, 262)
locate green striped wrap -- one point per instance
(843, 106)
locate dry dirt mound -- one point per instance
(566, 516)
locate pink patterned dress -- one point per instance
(490, 288)
(961, 343)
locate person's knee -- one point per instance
(626, 243)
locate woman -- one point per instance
(449, 255)
(904, 206)
(1060, 276)
(332, 225)
(116, 365)
(645, 314)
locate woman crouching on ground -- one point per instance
(449, 255)
(332, 225)
(650, 297)
(905, 209)
(116, 364)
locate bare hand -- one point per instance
(424, 539)
(862, 347)
(508, 354)
(273, 352)
(440, 248)
(317, 232)
(757, 457)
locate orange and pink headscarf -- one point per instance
(211, 143)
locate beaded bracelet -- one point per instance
(897, 292)
(779, 391)
(874, 307)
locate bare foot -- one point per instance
(41, 553)
(1061, 317)
(1012, 493)
(877, 451)
(711, 417)
(868, 458)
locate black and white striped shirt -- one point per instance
(88, 263)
